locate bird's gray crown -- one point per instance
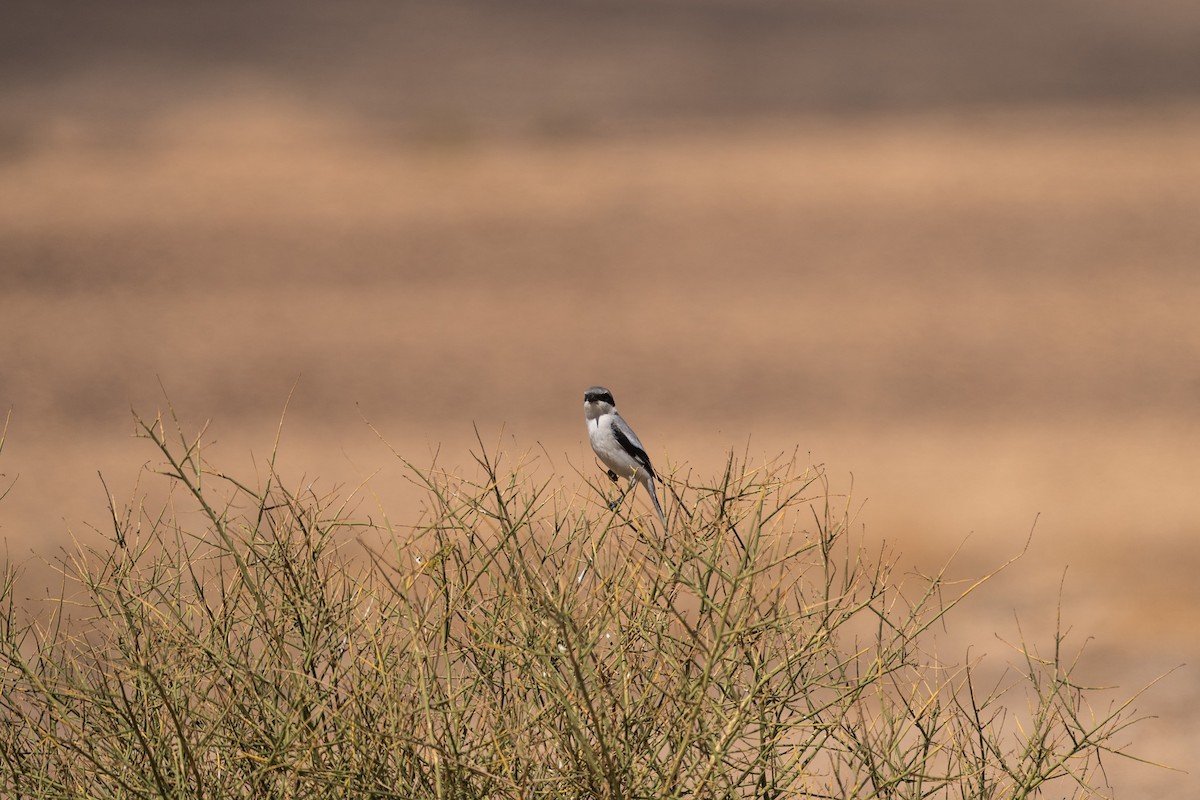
(598, 394)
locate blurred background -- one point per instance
(951, 251)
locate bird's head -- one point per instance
(597, 400)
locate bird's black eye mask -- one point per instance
(604, 398)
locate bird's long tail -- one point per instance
(648, 482)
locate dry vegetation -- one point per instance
(520, 642)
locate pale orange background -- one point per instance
(950, 251)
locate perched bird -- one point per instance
(617, 445)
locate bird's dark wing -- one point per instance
(630, 444)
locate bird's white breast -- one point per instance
(605, 444)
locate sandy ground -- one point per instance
(975, 315)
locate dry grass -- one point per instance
(520, 641)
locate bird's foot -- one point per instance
(613, 476)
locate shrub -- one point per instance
(517, 641)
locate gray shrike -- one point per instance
(617, 445)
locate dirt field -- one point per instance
(952, 254)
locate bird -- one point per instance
(617, 446)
